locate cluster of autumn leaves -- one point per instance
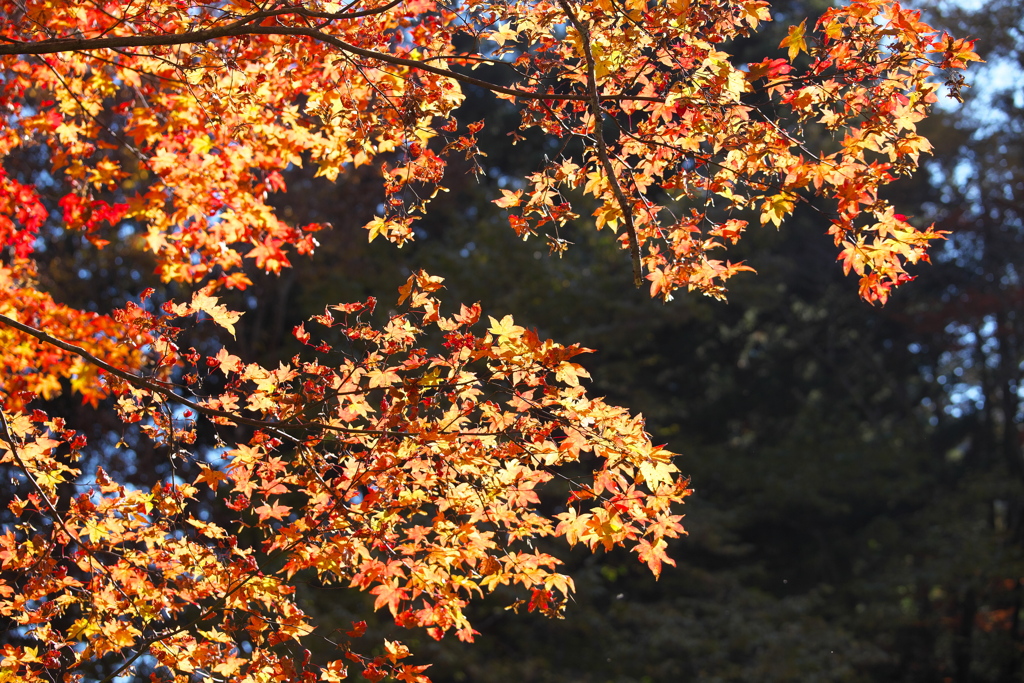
(416, 457)
(693, 124)
(414, 475)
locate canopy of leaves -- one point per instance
(422, 455)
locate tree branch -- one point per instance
(167, 391)
(602, 146)
(7, 437)
(242, 28)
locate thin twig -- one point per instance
(596, 111)
(166, 390)
(8, 438)
(242, 27)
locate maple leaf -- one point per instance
(390, 593)
(228, 362)
(378, 226)
(505, 33)
(776, 208)
(412, 674)
(334, 671)
(395, 650)
(275, 511)
(509, 199)
(796, 40)
(219, 313)
(210, 477)
(505, 329)
(382, 377)
(654, 555)
(570, 373)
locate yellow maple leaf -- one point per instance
(378, 226)
(796, 41)
(506, 32)
(201, 301)
(83, 629)
(506, 328)
(777, 207)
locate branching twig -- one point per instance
(594, 99)
(8, 438)
(166, 390)
(243, 27)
